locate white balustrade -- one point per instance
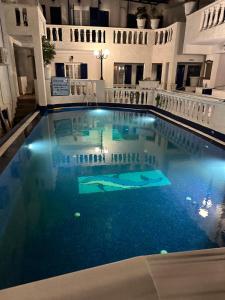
(198, 109)
(86, 88)
(66, 33)
(129, 96)
(164, 36)
(130, 36)
(213, 15)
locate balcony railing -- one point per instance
(86, 34)
(213, 15)
(163, 36)
(198, 109)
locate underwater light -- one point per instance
(38, 146)
(203, 212)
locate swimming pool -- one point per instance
(95, 186)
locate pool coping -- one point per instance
(12, 141)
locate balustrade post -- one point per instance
(79, 35)
(216, 16)
(221, 17)
(51, 33)
(206, 19)
(164, 37)
(211, 12)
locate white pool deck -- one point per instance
(194, 275)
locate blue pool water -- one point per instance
(91, 187)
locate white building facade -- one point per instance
(186, 53)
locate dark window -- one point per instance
(55, 15)
(44, 10)
(18, 21)
(180, 76)
(159, 72)
(131, 21)
(139, 73)
(83, 71)
(99, 17)
(59, 70)
(128, 73)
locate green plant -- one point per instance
(48, 50)
(141, 13)
(154, 12)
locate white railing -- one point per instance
(213, 15)
(206, 112)
(129, 96)
(88, 34)
(81, 90)
(131, 36)
(86, 88)
(163, 36)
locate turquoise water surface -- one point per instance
(95, 186)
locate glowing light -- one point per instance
(106, 151)
(147, 119)
(203, 212)
(106, 53)
(96, 53)
(163, 252)
(97, 149)
(188, 198)
(38, 146)
(77, 214)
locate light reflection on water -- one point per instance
(48, 228)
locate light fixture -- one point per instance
(101, 54)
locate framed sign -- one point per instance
(60, 86)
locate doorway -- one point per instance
(25, 69)
(55, 15)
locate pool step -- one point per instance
(25, 105)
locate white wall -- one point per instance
(217, 78)
(7, 90)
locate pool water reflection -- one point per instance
(96, 186)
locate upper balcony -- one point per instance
(206, 27)
(88, 37)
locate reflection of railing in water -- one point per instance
(182, 139)
(91, 159)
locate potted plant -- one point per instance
(155, 19)
(48, 50)
(141, 17)
(190, 6)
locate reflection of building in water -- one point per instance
(107, 139)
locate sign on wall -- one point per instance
(60, 86)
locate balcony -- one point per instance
(67, 36)
(205, 27)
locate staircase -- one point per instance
(25, 105)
